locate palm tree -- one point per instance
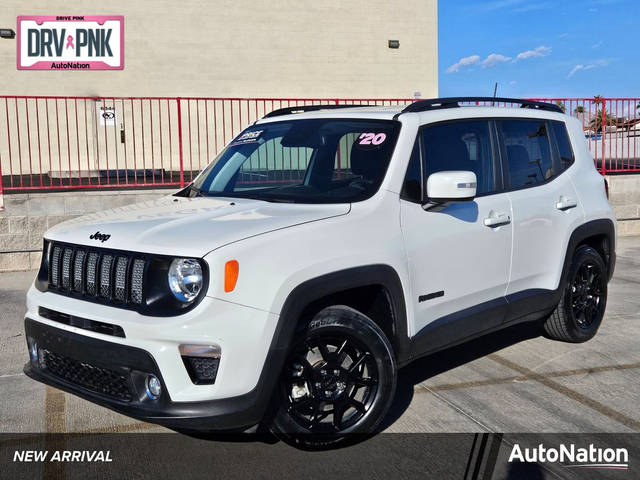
(596, 122)
(578, 112)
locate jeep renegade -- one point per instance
(324, 248)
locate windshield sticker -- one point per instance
(247, 137)
(371, 139)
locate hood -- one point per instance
(189, 227)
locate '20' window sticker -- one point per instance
(369, 140)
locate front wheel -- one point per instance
(339, 379)
(579, 314)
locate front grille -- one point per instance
(100, 380)
(98, 275)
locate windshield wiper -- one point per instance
(268, 199)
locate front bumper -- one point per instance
(133, 364)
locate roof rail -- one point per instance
(453, 102)
(310, 108)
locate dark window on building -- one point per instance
(528, 153)
(461, 145)
(564, 144)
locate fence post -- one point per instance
(603, 130)
(180, 143)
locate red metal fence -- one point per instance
(612, 130)
(97, 142)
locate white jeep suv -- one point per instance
(322, 250)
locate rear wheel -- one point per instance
(339, 379)
(579, 314)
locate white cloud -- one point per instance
(464, 62)
(579, 67)
(493, 60)
(597, 45)
(540, 51)
(603, 62)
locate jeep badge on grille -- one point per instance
(103, 237)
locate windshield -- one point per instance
(302, 161)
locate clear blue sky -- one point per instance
(539, 48)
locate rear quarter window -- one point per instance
(564, 144)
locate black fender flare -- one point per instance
(316, 288)
(601, 227)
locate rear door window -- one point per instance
(528, 152)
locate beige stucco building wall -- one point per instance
(243, 48)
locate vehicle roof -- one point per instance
(439, 114)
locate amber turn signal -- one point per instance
(231, 270)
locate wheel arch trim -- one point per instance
(335, 282)
(593, 228)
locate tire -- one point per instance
(337, 382)
(579, 313)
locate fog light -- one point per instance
(154, 388)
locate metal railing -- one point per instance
(61, 143)
(55, 142)
(612, 130)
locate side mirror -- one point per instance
(450, 186)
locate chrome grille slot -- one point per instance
(66, 268)
(92, 271)
(78, 270)
(136, 280)
(55, 266)
(104, 276)
(120, 292)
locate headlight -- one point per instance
(185, 279)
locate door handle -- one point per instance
(565, 203)
(497, 219)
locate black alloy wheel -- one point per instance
(578, 315)
(330, 383)
(587, 287)
(339, 379)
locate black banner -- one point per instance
(385, 456)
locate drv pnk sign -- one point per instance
(59, 42)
